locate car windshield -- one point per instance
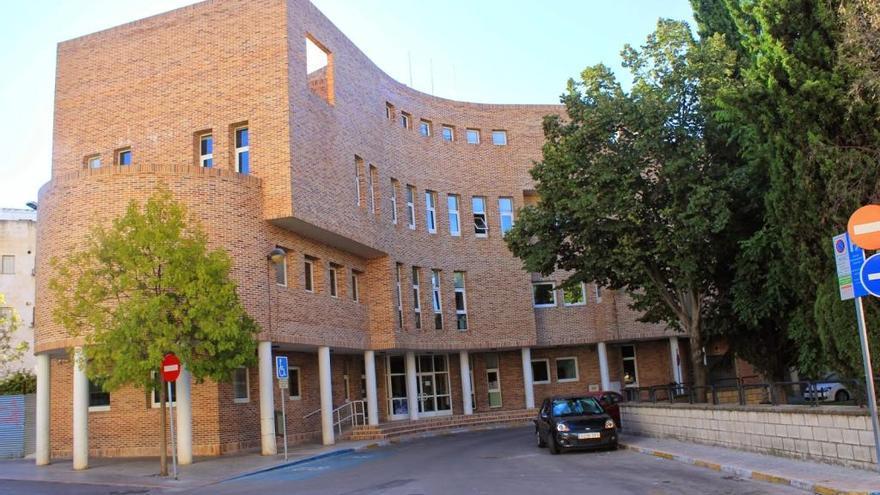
(576, 407)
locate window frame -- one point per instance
(454, 212)
(577, 373)
(372, 177)
(451, 129)
(405, 120)
(99, 408)
(290, 371)
(583, 302)
(283, 266)
(489, 391)
(355, 285)
(502, 214)
(333, 280)
(358, 163)
(247, 386)
(416, 279)
(399, 294)
(437, 298)
(552, 291)
(425, 128)
(3, 260)
(241, 149)
(482, 214)
(411, 206)
(463, 291)
(431, 211)
(598, 292)
(499, 132)
(393, 199)
(90, 159)
(309, 274)
(119, 157)
(546, 362)
(206, 157)
(635, 362)
(469, 132)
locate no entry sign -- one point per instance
(864, 227)
(170, 368)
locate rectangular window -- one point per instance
(478, 205)
(355, 286)
(417, 297)
(540, 371)
(454, 218)
(448, 133)
(372, 178)
(411, 207)
(240, 386)
(293, 383)
(281, 272)
(505, 208)
(358, 178)
(431, 211)
(99, 400)
(499, 138)
(7, 266)
(460, 301)
(399, 295)
(493, 379)
(319, 70)
(394, 186)
(473, 136)
(598, 293)
(331, 279)
(242, 150)
(425, 128)
(93, 161)
(436, 301)
(123, 157)
(206, 150)
(566, 369)
(389, 111)
(575, 296)
(630, 367)
(544, 295)
(308, 276)
(404, 120)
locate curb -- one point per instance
(810, 486)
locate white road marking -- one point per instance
(866, 228)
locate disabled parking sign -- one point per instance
(281, 367)
(849, 259)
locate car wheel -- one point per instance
(541, 443)
(614, 446)
(554, 447)
(841, 396)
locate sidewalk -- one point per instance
(143, 472)
(824, 479)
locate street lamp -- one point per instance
(276, 256)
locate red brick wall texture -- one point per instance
(155, 85)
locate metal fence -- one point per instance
(751, 390)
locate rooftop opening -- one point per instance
(319, 68)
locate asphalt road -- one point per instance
(503, 461)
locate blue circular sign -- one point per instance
(840, 246)
(870, 275)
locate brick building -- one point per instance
(395, 286)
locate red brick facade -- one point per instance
(156, 85)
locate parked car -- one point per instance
(610, 402)
(828, 389)
(574, 422)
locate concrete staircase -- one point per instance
(395, 429)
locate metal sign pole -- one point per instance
(869, 374)
(284, 422)
(173, 443)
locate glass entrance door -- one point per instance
(433, 385)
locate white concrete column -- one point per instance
(675, 359)
(412, 388)
(372, 393)
(184, 417)
(465, 366)
(80, 411)
(267, 400)
(326, 386)
(604, 376)
(43, 395)
(528, 377)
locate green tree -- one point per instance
(10, 352)
(148, 286)
(631, 196)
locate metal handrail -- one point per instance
(355, 415)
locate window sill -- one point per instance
(547, 382)
(568, 380)
(99, 408)
(241, 401)
(297, 397)
(574, 305)
(544, 306)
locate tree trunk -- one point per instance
(698, 368)
(163, 444)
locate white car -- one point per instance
(829, 389)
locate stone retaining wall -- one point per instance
(832, 434)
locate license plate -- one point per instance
(587, 436)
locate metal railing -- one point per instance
(348, 415)
(741, 391)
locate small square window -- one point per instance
(473, 136)
(425, 128)
(99, 400)
(240, 385)
(448, 133)
(93, 161)
(566, 369)
(544, 294)
(499, 138)
(123, 157)
(575, 296)
(540, 371)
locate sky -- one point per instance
(491, 51)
